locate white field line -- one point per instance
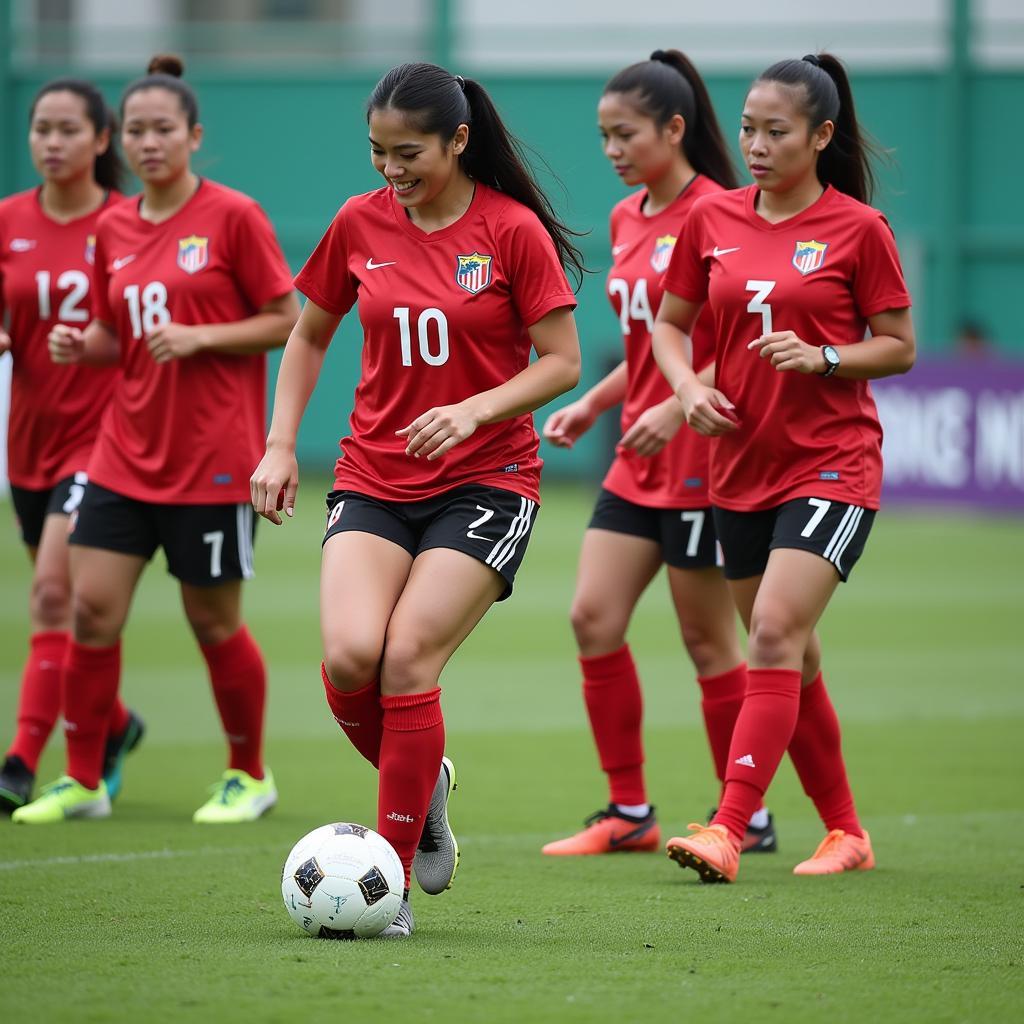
(119, 858)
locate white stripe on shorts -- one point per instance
(506, 547)
(243, 529)
(844, 534)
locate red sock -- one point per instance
(411, 749)
(239, 680)
(119, 719)
(763, 730)
(359, 714)
(721, 700)
(615, 704)
(89, 683)
(39, 703)
(817, 754)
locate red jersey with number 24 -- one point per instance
(189, 431)
(820, 274)
(677, 476)
(444, 317)
(45, 280)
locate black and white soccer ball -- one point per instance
(342, 881)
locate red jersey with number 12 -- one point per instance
(189, 431)
(820, 274)
(444, 317)
(45, 280)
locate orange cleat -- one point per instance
(839, 851)
(608, 831)
(710, 851)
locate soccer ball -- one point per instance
(342, 881)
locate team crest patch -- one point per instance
(473, 273)
(809, 256)
(662, 252)
(193, 253)
(90, 250)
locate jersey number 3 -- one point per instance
(761, 290)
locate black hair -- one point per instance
(669, 84)
(823, 92)
(435, 102)
(107, 169)
(164, 72)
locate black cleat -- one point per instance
(117, 748)
(757, 840)
(16, 783)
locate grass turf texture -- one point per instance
(148, 917)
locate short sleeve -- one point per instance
(878, 282)
(259, 265)
(99, 301)
(326, 279)
(538, 282)
(687, 273)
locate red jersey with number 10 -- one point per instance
(820, 274)
(45, 279)
(444, 317)
(677, 476)
(189, 431)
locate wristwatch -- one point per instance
(831, 360)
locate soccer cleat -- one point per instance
(403, 925)
(16, 783)
(236, 798)
(839, 851)
(65, 798)
(117, 748)
(710, 851)
(756, 840)
(437, 855)
(609, 831)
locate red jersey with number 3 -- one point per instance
(45, 280)
(677, 476)
(444, 317)
(188, 431)
(820, 274)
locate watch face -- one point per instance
(831, 355)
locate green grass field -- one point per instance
(146, 917)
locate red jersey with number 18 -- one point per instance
(45, 278)
(189, 431)
(677, 476)
(444, 317)
(820, 274)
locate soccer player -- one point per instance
(190, 291)
(456, 264)
(660, 132)
(795, 271)
(47, 246)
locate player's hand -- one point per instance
(707, 410)
(439, 430)
(5, 341)
(273, 484)
(788, 352)
(66, 344)
(654, 428)
(173, 341)
(565, 426)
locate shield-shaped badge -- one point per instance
(473, 273)
(193, 253)
(90, 249)
(662, 252)
(809, 256)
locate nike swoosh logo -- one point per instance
(123, 262)
(636, 833)
(616, 249)
(370, 265)
(723, 252)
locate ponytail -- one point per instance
(669, 84)
(435, 102)
(846, 162)
(165, 71)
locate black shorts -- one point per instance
(32, 507)
(832, 529)
(205, 545)
(686, 536)
(487, 523)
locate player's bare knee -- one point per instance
(775, 641)
(703, 647)
(596, 628)
(50, 603)
(94, 619)
(407, 667)
(351, 666)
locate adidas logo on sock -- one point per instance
(747, 760)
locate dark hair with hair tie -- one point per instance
(811, 59)
(164, 72)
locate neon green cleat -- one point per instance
(236, 798)
(65, 798)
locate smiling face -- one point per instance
(63, 141)
(156, 137)
(638, 149)
(419, 167)
(779, 146)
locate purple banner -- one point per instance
(954, 433)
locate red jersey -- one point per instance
(677, 476)
(188, 431)
(444, 317)
(45, 280)
(820, 274)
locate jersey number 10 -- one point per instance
(423, 331)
